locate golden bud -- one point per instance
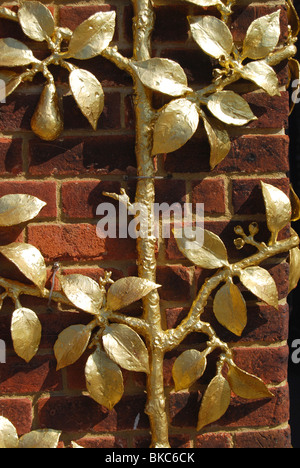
(47, 121)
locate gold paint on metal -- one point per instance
(41, 438)
(140, 343)
(104, 379)
(26, 331)
(18, 208)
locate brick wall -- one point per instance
(71, 173)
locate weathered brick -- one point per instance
(175, 281)
(80, 199)
(248, 154)
(211, 192)
(109, 119)
(17, 112)
(44, 190)
(264, 324)
(74, 156)
(270, 364)
(271, 112)
(211, 440)
(247, 195)
(19, 413)
(107, 442)
(78, 242)
(276, 438)
(10, 156)
(19, 377)
(81, 413)
(241, 413)
(243, 17)
(70, 17)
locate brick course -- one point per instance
(71, 173)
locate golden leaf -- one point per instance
(230, 308)
(294, 274)
(26, 332)
(88, 94)
(8, 434)
(75, 445)
(36, 21)
(210, 254)
(218, 139)
(176, 124)
(11, 80)
(262, 36)
(29, 261)
(293, 18)
(188, 368)
(263, 75)
(278, 207)
(41, 438)
(14, 53)
(83, 292)
(212, 35)
(163, 75)
(215, 402)
(295, 204)
(246, 385)
(125, 347)
(47, 121)
(230, 108)
(71, 344)
(260, 282)
(125, 291)
(19, 208)
(92, 36)
(104, 379)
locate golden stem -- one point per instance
(172, 338)
(8, 14)
(145, 193)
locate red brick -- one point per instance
(78, 242)
(270, 364)
(189, 61)
(81, 413)
(271, 112)
(184, 407)
(74, 156)
(18, 377)
(175, 281)
(107, 442)
(19, 108)
(80, 199)
(211, 192)
(243, 17)
(70, 17)
(264, 324)
(210, 440)
(19, 412)
(109, 119)
(171, 24)
(267, 412)
(10, 156)
(45, 191)
(17, 112)
(247, 194)
(248, 154)
(276, 438)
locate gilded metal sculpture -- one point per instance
(118, 340)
